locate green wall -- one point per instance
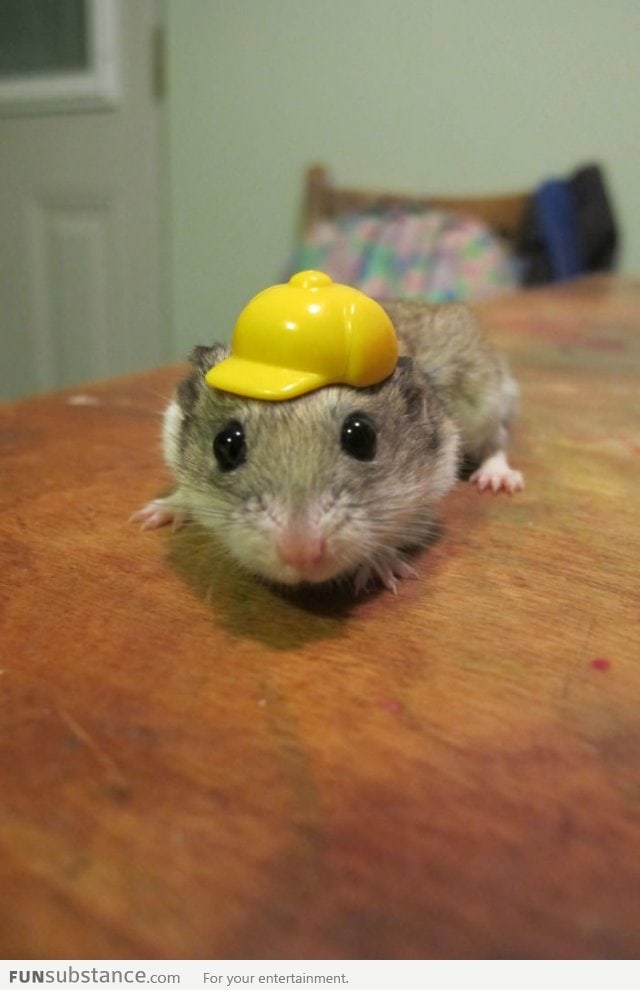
(458, 96)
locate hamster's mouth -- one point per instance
(318, 573)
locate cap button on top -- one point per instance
(310, 280)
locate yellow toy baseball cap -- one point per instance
(296, 337)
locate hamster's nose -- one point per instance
(300, 546)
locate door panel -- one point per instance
(73, 259)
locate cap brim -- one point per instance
(262, 381)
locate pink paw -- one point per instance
(495, 473)
(155, 514)
(388, 572)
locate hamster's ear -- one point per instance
(412, 384)
(202, 358)
(422, 403)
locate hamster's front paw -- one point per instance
(157, 513)
(388, 571)
(496, 474)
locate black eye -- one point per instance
(358, 437)
(229, 446)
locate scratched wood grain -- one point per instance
(194, 766)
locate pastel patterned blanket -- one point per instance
(430, 255)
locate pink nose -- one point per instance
(300, 548)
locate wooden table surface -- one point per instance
(193, 766)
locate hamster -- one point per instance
(341, 482)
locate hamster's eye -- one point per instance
(358, 437)
(229, 446)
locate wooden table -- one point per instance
(193, 766)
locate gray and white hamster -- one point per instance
(341, 482)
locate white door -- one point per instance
(82, 271)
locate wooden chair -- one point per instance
(323, 201)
